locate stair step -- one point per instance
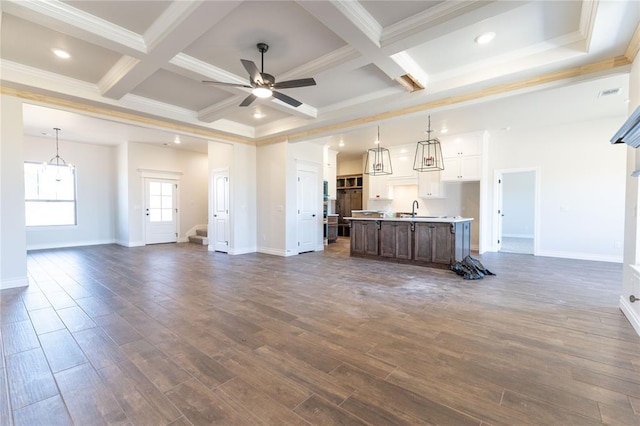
(203, 232)
(199, 239)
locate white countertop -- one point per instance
(442, 219)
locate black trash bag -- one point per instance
(470, 269)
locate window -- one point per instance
(50, 194)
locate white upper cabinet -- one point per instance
(462, 145)
(402, 163)
(462, 157)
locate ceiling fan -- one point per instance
(263, 84)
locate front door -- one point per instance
(161, 224)
(308, 200)
(220, 208)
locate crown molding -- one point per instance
(436, 15)
(362, 19)
(64, 13)
(120, 69)
(206, 70)
(634, 45)
(326, 62)
(588, 14)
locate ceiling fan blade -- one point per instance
(286, 99)
(248, 100)
(219, 83)
(290, 84)
(254, 72)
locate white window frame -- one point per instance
(47, 200)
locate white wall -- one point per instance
(271, 186)
(13, 241)
(122, 194)
(518, 205)
(193, 169)
(243, 199)
(582, 180)
(95, 194)
(309, 155)
(240, 161)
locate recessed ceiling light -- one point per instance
(258, 114)
(61, 53)
(341, 143)
(177, 140)
(485, 38)
(444, 130)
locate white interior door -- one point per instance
(161, 221)
(220, 208)
(308, 200)
(499, 214)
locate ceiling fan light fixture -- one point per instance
(262, 92)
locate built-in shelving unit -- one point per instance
(349, 181)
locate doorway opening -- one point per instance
(516, 211)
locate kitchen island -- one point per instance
(428, 241)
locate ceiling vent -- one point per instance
(609, 92)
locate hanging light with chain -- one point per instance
(378, 160)
(57, 160)
(428, 156)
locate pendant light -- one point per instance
(428, 156)
(57, 160)
(378, 160)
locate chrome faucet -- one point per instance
(414, 206)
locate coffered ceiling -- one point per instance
(147, 59)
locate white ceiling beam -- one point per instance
(179, 26)
(351, 22)
(219, 110)
(67, 19)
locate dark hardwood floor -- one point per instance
(173, 334)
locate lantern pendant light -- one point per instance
(378, 160)
(428, 156)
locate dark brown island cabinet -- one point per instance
(434, 242)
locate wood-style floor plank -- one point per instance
(46, 320)
(52, 409)
(87, 398)
(29, 378)
(61, 350)
(173, 334)
(18, 337)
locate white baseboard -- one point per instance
(628, 311)
(517, 236)
(69, 244)
(276, 252)
(130, 243)
(242, 250)
(14, 283)
(580, 256)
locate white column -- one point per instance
(13, 237)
